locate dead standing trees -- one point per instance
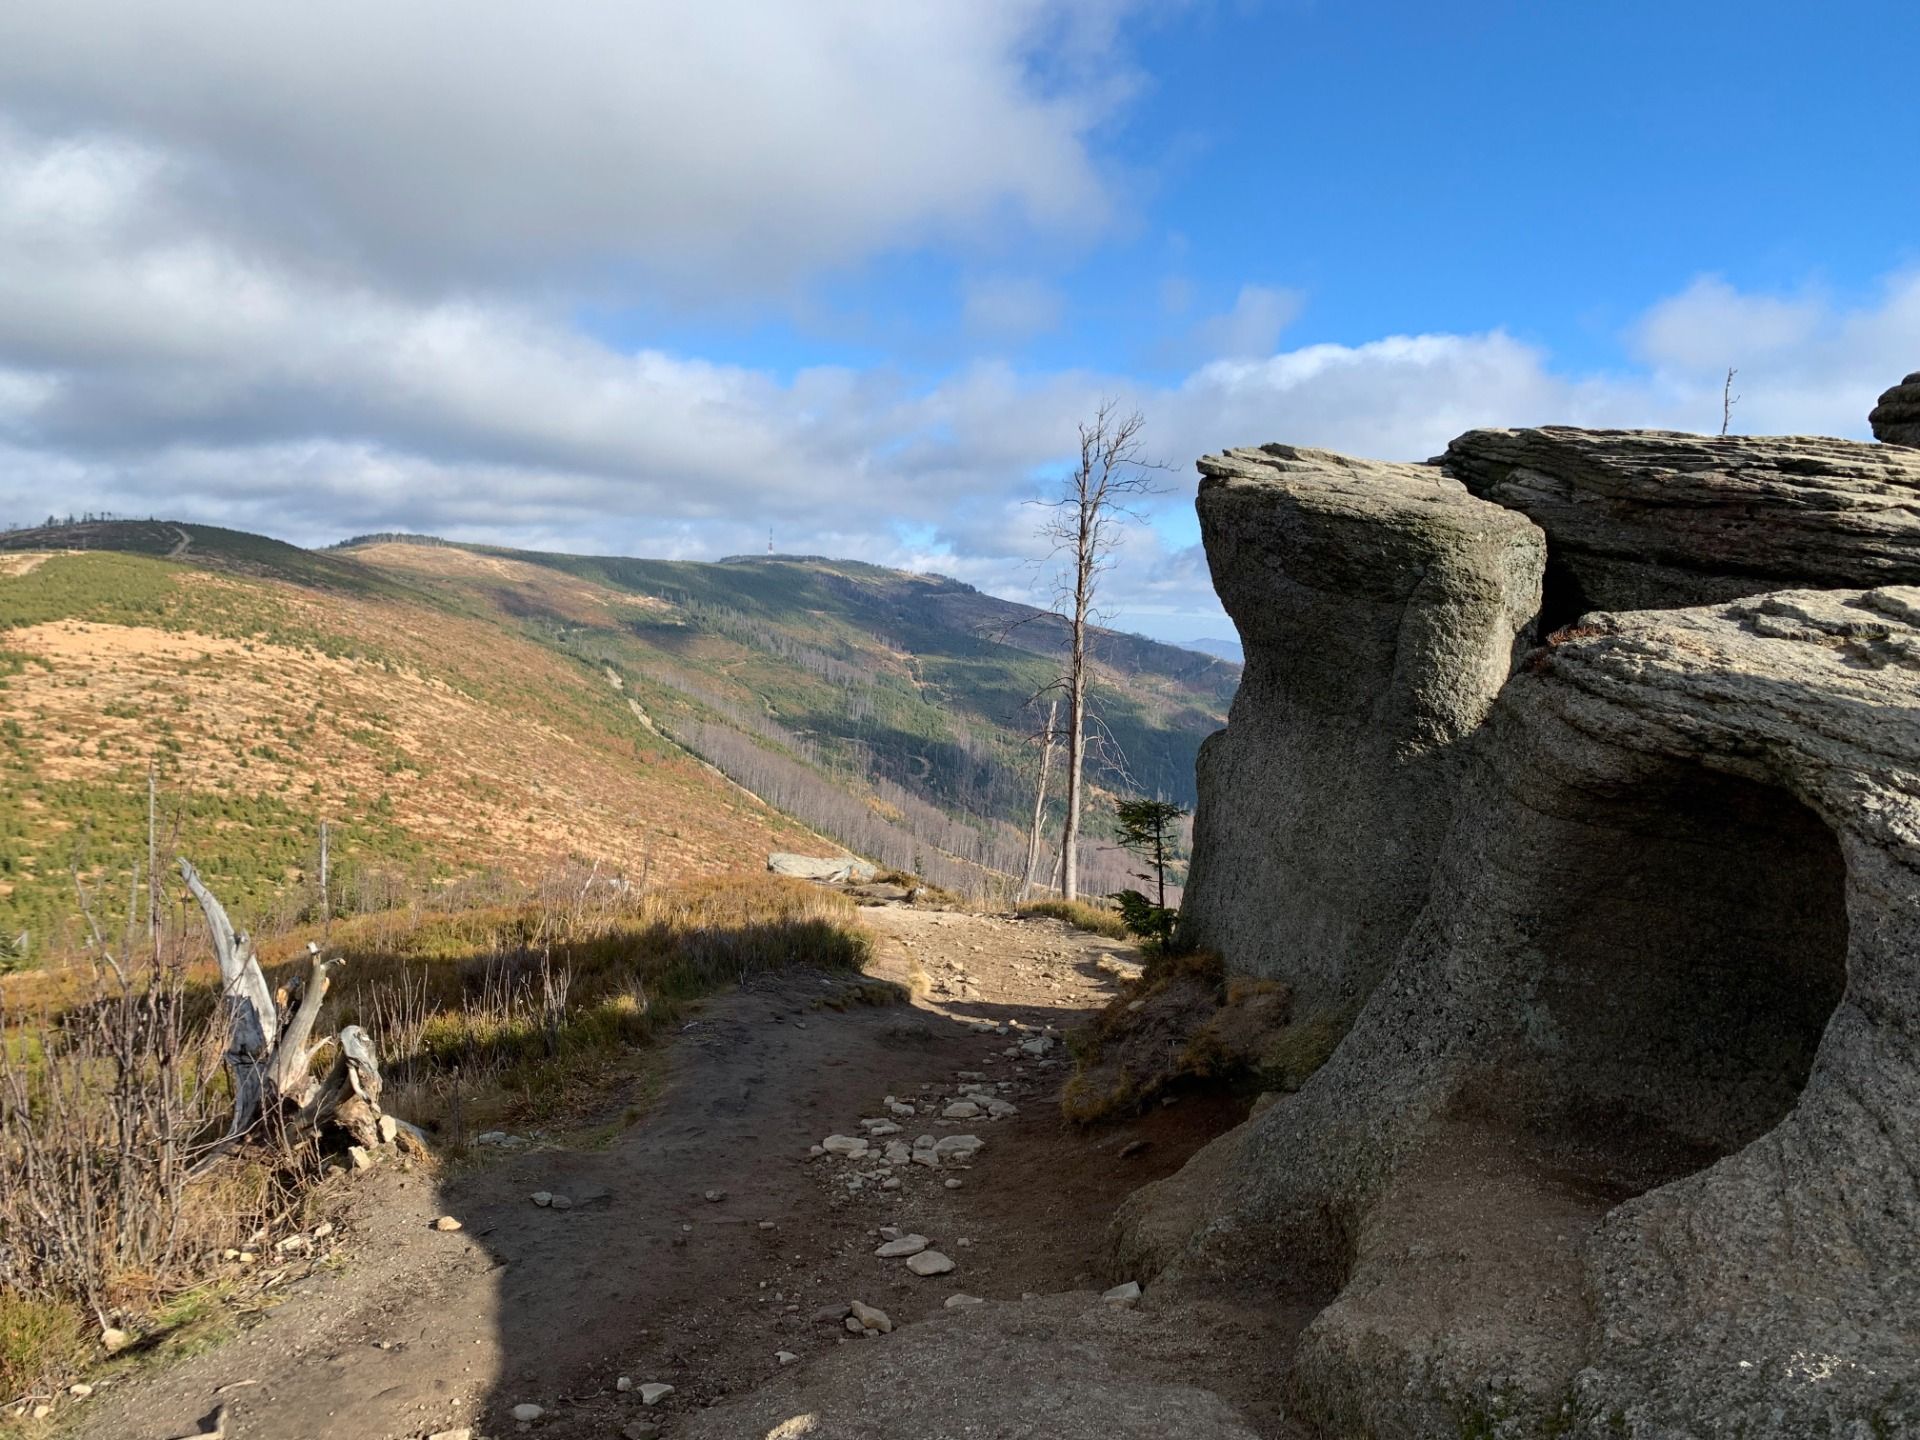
(275, 1092)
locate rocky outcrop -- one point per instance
(1380, 606)
(1896, 419)
(1625, 1142)
(1650, 519)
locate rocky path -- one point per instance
(807, 1153)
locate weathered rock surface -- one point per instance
(1065, 1367)
(1625, 1141)
(1654, 519)
(836, 869)
(1896, 419)
(1380, 606)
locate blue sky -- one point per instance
(657, 278)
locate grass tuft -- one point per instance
(1080, 914)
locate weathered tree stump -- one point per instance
(276, 1096)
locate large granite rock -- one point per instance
(1067, 1367)
(1380, 606)
(1624, 1144)
(833, 869)
(1651, 519)
(1896, 419)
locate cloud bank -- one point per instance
(316, 274)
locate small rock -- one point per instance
(962, 1302)
(640, 1430)
(961, 1110)
(854, 1327)
(527, 1412)
(490, 1137)
(389, 1129)
(323, 1229)
(850, 1146)
(951, 1184)
(786, 1357)
(623, 1384)
(446, 1222)
(1124, 1296)
(958, 1147)
(870, 1318)
(41, 1412)
(543, 1198)
(560, 1202)
(766, 1224)
(899, 1249)
(929, 1262)
(831, 1314)
(892, 1182)
(654, 1393)
(459, 1432)
(80, 1390)
(359, 1157)
(714, 1197)
(115, 1340)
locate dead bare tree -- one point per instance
(274, 1088)
(1113, 474)
(1047, 739)
(1727, 401)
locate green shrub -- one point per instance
(1144, 918)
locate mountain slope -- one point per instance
(454, 710)
(435, 743)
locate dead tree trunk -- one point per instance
(1040, 799)
(275, 1093)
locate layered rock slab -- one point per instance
(1654, 519)
(1896, 419)
(1624, 1142)
(1380, 606)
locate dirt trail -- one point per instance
(644, 1277)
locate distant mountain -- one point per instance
(455, 709)
(1224, 649)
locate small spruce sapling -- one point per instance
(1145, 828)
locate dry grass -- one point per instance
(1081, 914)
(520, 1014)
(499, 1014)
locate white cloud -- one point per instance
(726, 144)
(1009, 307)
(1806, 364)
(149, 364)
(1252, 327)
